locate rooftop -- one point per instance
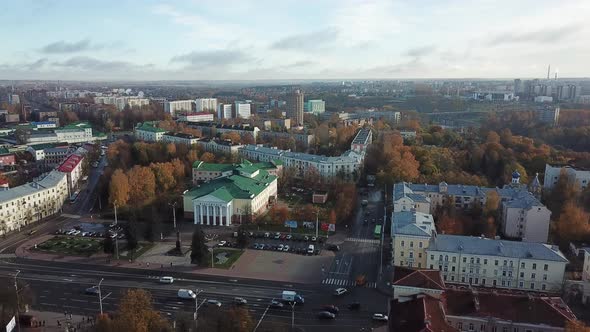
(70, 163)
(520, 308)
(148, 126)
(422, 314)
(362, 137)
(50, 180)
(181, 135)
(78, 125)
(429, 279)
(234, 186)
(490, 247)
(413, 223)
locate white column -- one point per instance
(228, 212)
(195, 215)
(214, 214)
(200, 208)
(207, 209)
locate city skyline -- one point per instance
(258, 40)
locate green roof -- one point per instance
(211, 167)
(4, 150)
(148, 126)
(78, 125)
(38, 147)
(232, 187)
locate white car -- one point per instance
(380, 317)
(286, 248)
(222, 243)
(214, 303)
(281, 247)
(166, 280)
(340, 291)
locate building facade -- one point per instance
(72, 168)
(315, 106)
(206, 105)
(148, 132)
(410, 236)
(242, 110)
(179, 138)
(295, 107)
(497, 263)
(362, 140)
(196, 117)
(219, 146)
(224, 111)
(552, 173)
(173, 107)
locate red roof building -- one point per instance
(70, 163)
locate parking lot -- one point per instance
(293, 243)
(93, 230)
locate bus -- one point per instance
(74, 197)
(377, 232)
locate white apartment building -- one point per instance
(179, 138)
(526, 218)
(219, 146)
(147, 132)
(196, 117)
(121, 102)
(72, 168)
(206, 104)
(224, 111)
(348, 165)
(315, 106)
(33, 201)
(242, 109)
(486, 262)
(172, 107)
(552, 173)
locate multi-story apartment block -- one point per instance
(295, 107)
(121, 102)
(33, 201)
(552, 173)
(224, 111)
(215, 129)
(404, 199)
(362, 140)
(303, 139)
(206, 104)
(219, 146)
(525, 217)
(315, 106)
(179, 138)
(410, 236)
(497, 263)
(148, 132)
(72, 168)
(196, 117)
(347, 165)
(242, 109)
(173, 107)
(56, 155)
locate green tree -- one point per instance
(199, 250)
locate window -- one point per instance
(446, 258)
(545, 267)
(402, 243)
(476, 281)
(460, 326)
(522, 274)
(452, 278)
(482, 327)
(522, 265)
(419, 244)
(503, 273)
(471, 260)
(496, 262)
(411, 244)
(521, 284)
(470, 326)
(401, 253)
(532, 285)
(504, 329)
(505, 262)
(494, 282)
(411, 254)
(503, 283)
(432, 257)
(543, 287)
(534, 266)
(440, 257)
(483, 282)
(452, 268)
(477, 261)
(464, 259)
(419, 255)
(454, 259)
(485, 261)
(431, 266)
(533, 276)
(462, 279)
(544, 277)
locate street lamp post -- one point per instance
(197, 292)
(173, 205)
(212, 259)
(317, 222)
(293, 315)
(100, 295)
(17, 302)
(116, 237)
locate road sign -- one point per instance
(291, 223)
(11, 325)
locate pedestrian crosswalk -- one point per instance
(345, 282)
(356, 239)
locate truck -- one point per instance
(292, 297)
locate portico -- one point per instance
(211, 210)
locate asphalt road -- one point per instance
(60, 287)
(360, 253)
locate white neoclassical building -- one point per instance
(245, 190)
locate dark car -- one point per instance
(331, 308)
(276, 304)
(333, 247)
(326, 315)
(354, 306)
(91, 290)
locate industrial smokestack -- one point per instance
(548, 72)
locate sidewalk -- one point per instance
(55, 321)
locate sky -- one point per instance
(293, 39)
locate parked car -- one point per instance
(222, 243)
(313, 238)
(326, 315)
(380, 317)
(286, 248)
(277, 236)
(340, 291)
(280, 247)
(289, 237)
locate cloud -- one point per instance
(543, 36)
(219, 58)
(312, 40)
(93, 64)
(37, 64)
(65, 47)
(420, 51)
(302, 63)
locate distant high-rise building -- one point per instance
(172, 107)
(242, 109)
(13, 99)
(518, 88)
(224, 111)
(295, 107)
(206, 104)
(315, 106)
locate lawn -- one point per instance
(79, 246)
(232, 256)
(141, 248)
